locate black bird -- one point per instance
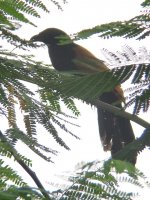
(115, 131)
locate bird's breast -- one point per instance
(61, 58)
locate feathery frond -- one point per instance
(137, 27)
(96, 181)
(36, 90)
(134, 66)
(15, 74)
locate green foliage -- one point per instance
(128, 62)
(34, 88)
(22, 80)
(134, 148)
(9, 173)
(16, 186)
(96, 181)
(136, 27)
(15, 92)
(13, 13)
(127, 29)
(15, 10)
(137, 71)
(24, 193)
(86, 86)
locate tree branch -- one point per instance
(120, 112)
(31, 173)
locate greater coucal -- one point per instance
(115, 131)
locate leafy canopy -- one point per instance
(34, 89)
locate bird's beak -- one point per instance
(35, 38)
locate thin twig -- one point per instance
(120, 112)
(31, 173)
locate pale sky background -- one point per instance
(79, 15)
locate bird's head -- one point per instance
(52, 36)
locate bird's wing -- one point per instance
(86, 62)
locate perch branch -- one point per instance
(120, 112)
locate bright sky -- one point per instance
(79, 15)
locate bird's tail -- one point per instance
(115, 131)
